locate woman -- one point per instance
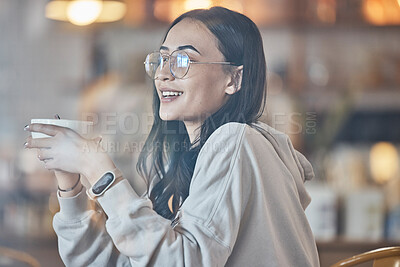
(224, 188)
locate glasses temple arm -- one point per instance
(224, 63)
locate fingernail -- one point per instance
(26, 128)
(25, 144)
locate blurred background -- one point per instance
(333, 87)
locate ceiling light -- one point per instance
(85, 12)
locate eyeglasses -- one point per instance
(179, 63)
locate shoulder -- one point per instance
(225, 138)
(257, 131)
(227, 131)
(233, 141)
(239, 140)
(232, 135)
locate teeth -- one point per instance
(168, 93)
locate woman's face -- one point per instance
(204, 88)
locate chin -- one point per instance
(168, 117)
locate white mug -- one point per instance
(84, 128)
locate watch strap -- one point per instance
(117, 177)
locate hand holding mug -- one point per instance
(66, 150)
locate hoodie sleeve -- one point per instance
(82, 238)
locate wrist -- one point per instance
(95, 171)
(70, 188)
(75, 191)
(66, 179)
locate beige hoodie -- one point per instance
(245, 208)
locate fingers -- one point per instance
(38, 142)
(50, 164)
(48, 129)
(44, 154)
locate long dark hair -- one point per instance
(168, 158)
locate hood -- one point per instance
(296, 163)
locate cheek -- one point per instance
(208, 96)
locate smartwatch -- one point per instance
(105, 182)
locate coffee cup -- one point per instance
(84, 128)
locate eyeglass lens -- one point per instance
(178, 63)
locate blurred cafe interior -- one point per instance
(333, 87)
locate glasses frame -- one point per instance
(167, 57)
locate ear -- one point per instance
(235, 81)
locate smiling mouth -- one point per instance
(171, 94)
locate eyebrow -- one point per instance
(182, 47)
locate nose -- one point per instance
(165, 72)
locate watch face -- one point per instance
(103, 183)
